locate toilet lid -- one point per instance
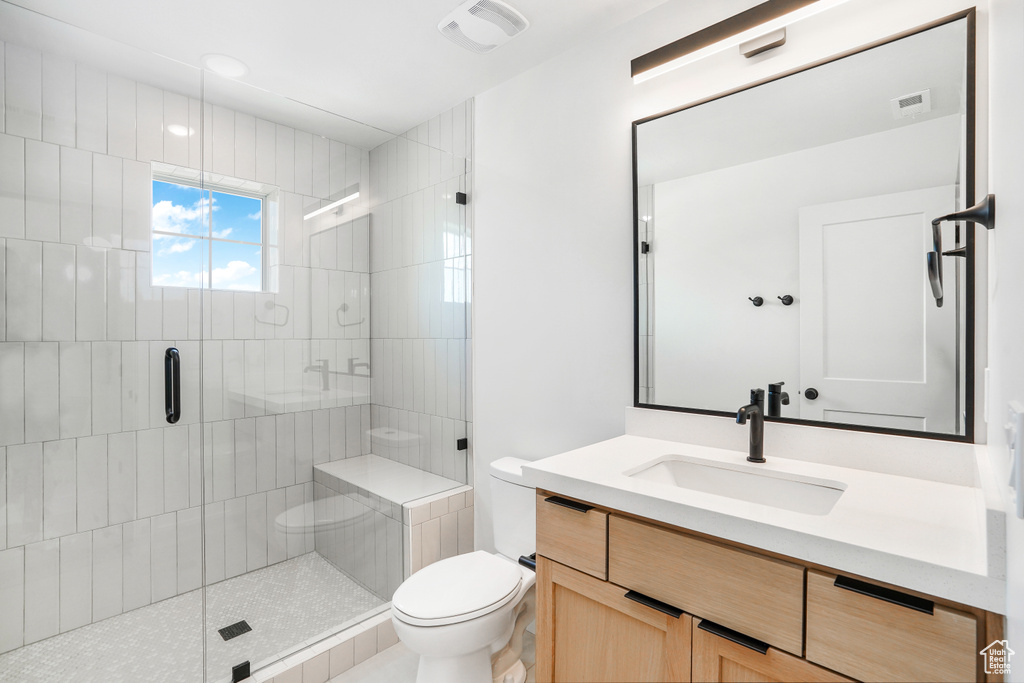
(460, 585)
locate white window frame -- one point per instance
(208, 182)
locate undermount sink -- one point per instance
(795, 492)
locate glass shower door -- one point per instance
(286, 377)
(100, 496)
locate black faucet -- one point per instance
(776, 399)
(755, 412)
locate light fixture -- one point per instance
(746, 26)
(350, 194)
(225, 66)
(180, 130)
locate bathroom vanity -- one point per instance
(644, 578)
(849, 551)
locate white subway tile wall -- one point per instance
(645, 280)
(420, 276)
(100, 499)
(438, 527)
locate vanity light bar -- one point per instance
(753, 23)
(332, 205)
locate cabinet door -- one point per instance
(587, 630)
(718, 659)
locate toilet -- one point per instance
(465, 616)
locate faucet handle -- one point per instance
(775, 387)
(757, 397)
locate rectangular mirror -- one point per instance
(783, 233)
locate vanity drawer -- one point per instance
(573, 533)
(758, 596)
(872, 639)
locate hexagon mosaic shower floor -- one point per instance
(285, 604)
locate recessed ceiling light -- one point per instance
(228, 67)
(180, 130)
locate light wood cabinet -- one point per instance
(875, 638)
(756, 595)
(775, 619)
(573, 533)
(717, 659)
(587, 630)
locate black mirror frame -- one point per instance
(969, 191)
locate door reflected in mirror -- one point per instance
(813, 194)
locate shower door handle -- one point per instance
(172, 384)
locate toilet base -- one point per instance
(514, 674)
(472, 668)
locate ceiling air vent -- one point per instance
(482, 25)
(914, 104)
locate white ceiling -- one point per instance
(842, 100)
(381, 63)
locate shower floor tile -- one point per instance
(285, 604)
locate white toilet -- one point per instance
(465, 616)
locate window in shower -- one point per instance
(210, 237)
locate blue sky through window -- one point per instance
(189, 222)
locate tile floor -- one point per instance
(285, 604)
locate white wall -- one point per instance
(1006, 332)
(711, 344)
(553, 355)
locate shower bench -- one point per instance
(379, 520)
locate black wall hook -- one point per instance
(786, 299)
(757, 301)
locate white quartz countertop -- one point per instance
(922, 535)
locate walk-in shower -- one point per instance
(312, 276)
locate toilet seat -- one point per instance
(457, 589)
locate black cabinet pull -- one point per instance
(172, 384)
(886, 594)
(663, 607)
(734, 636)
(571, 504)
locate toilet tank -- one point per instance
(513, 510)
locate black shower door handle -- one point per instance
(172, 384)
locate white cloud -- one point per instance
(178, 246)
(222, 233)
(171, 217)
(235, 270)
(256, 216)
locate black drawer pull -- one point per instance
(886, 594)
(571, 504)
(734, 636)
(172, 385)
(654, 604)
